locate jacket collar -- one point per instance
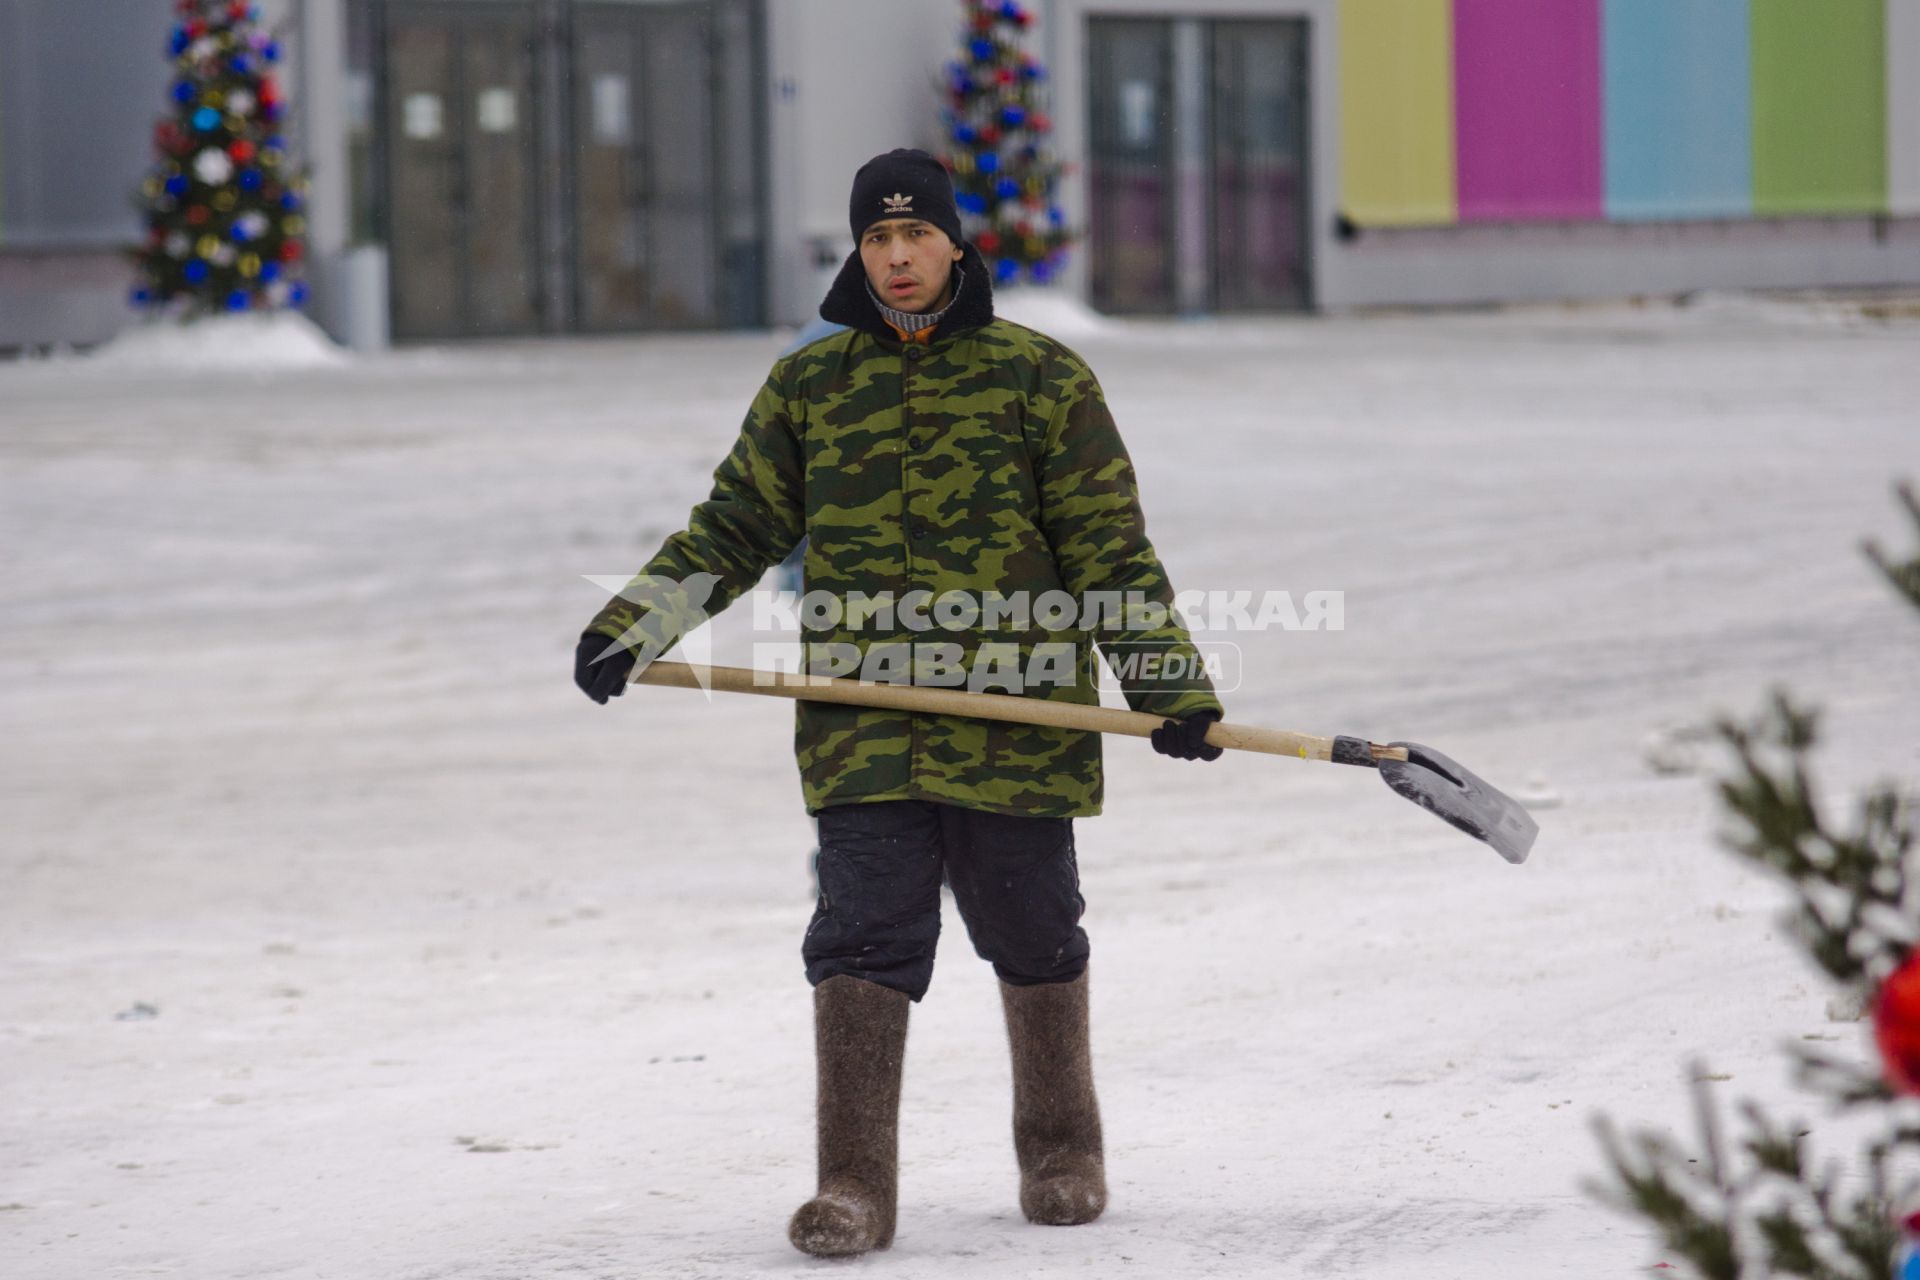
(848, 302)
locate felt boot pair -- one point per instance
(860, 1037)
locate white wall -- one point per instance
(848, 79)
(1903, 106)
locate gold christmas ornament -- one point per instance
(207, 247)
(293, 225)
(223, 201)
(250, 265)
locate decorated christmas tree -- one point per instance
(1762, 1209)
(1004, 176)
(223, 207)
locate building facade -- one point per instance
(497, 167)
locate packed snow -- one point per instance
(342, 937)
(257, 342)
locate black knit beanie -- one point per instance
(903, 183)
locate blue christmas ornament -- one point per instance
(177, 185)
(1042, 272)
(1010, 11)
(271, 51)
(276, 143)
(987, 162)
(1909, 1262)
(1005, 269)
(240, 65)
(1055, 216)
(981, 48)
(971, 202)
(249, 179)
(178, 44)
(141, 297)
(269, 272)
(297, 296)
(183, 92)
(240, 235)
(195, 270)
(965, 134)
(237, 300)
(1006, 188)
(205, 119)
(1012, 116)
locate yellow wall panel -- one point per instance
(1396, 112)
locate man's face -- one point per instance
(907, 262)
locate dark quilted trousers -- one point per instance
(1015, 880)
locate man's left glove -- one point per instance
(1185, 738)
(603, 679)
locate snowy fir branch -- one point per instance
(1764, 1212)
(1857, 903)
(1904, 576)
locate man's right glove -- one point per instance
(601, 678)
(1186, 738)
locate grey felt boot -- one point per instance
(1056, 1119)
(860, 1038)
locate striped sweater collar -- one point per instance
(912, 322)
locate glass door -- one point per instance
(665, 201)
(1259, 165)
(464, 224)
(1131, 165)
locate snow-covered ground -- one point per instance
(458, 975)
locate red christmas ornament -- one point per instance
(196, 214)
(987, 242)
(290, 251)
(1038, 123)
(237, 10)
(196, 29)
(1896, 1025)
(241, 151)
(269, 91)
(988, 136)
(1004, 75)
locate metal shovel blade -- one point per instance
(1461, 798)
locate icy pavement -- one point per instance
(450, 973)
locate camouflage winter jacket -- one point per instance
(983, 461)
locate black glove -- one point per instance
(606, 678)
(1185, 739)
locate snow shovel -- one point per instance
(1421, 774)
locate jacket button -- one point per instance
(914, 351)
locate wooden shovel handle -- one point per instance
(988, 706)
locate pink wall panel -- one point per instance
(1527, 113)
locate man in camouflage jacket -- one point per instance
(933, 449)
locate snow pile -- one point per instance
(251, 340)
(1053, 312)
